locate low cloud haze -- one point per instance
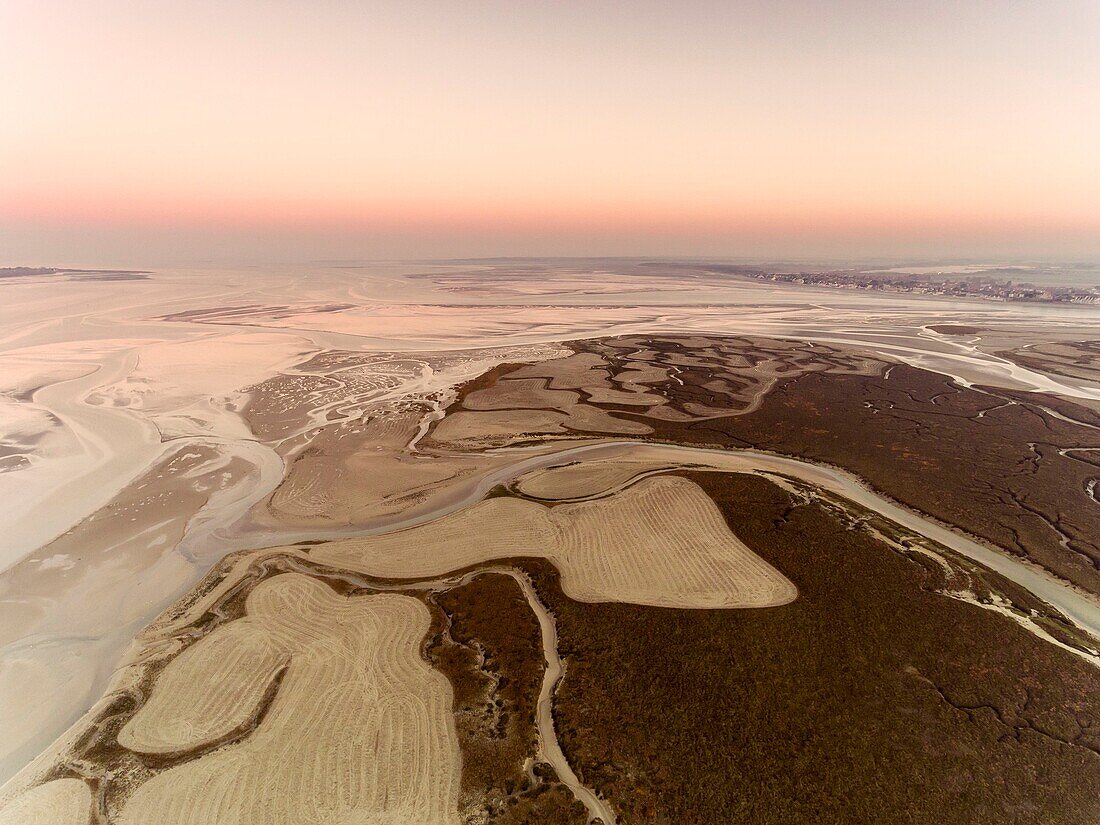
(233, 131)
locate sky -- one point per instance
(152, 132)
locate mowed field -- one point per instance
(360, 728)
(660, 542)
(583, 479)
(380, 679)
(304, 700)
(60, 802)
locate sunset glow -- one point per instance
(565, 412)
(598, 128)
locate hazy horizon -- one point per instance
(239, 131)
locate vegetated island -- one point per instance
(599, 663)
(8, 273)
(989, 285)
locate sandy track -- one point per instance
(661, 542)
(635, 397)
(549, 747)
(570, 373)
(524, 393)
(581, 480)
(61, 802)
(360, 728)
(467, 428)
(57, 313)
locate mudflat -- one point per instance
(481, 612)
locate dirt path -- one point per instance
(1077, 606)
(549, 747)
(548, 738)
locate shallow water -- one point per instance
(162, 362)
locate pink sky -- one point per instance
(337, 129)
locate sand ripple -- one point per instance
(661, 542)
(360, 729)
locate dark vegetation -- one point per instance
(871, 698)
(488, 645)
(1000, 477)
(985, 460)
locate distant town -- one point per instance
(970, 286)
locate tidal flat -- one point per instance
(682, 547)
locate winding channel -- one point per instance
(1080, 608)
(544, 715)
(549, 747)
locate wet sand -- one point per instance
(135, 373)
